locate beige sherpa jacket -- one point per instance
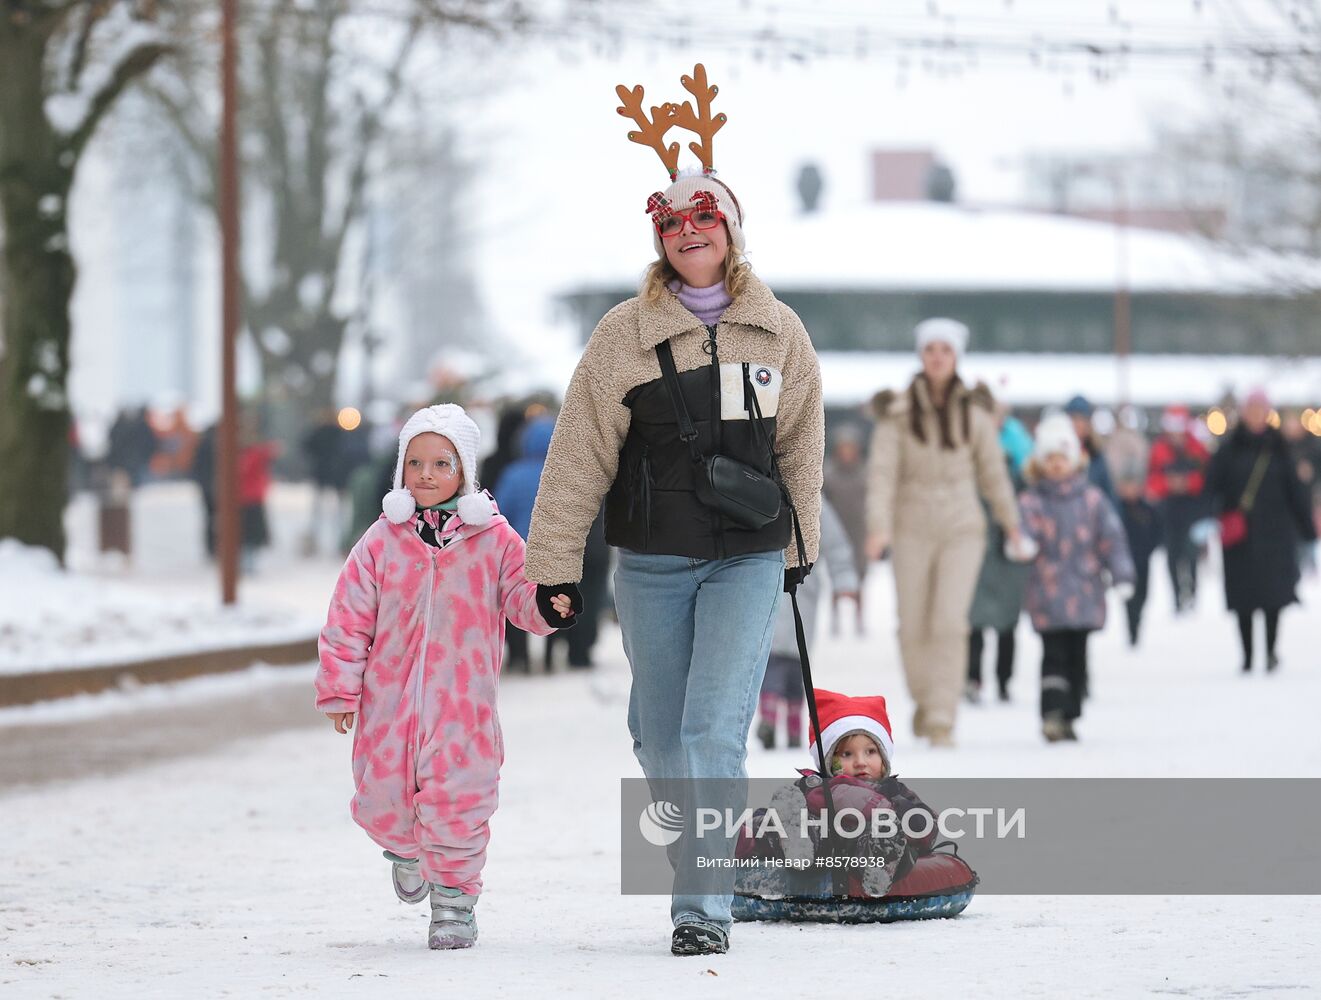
(922, 485)
(584, 450)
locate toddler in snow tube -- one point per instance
(880, 863)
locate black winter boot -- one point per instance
(699, 939)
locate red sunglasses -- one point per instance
(699, 218)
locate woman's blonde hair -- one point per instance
(660, 272)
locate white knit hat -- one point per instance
(680, 197)
(448, 420)
(1056, 436)
(945, 331)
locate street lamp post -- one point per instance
(227, 526)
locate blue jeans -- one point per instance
(697, 634)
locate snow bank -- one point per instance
(51, 619)
(138, 697)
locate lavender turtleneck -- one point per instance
(707, 304)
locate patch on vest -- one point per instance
(766, 381)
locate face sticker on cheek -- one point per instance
(448, 458)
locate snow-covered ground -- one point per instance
(165, 600)
(239, 873)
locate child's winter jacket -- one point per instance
(847, 793)
(412, 643)
(1079, 536)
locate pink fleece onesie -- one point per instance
(412, 643)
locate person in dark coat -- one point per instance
(132, 444)
(509, 429)
(1079, 410)
(204, 474)
(998, 600)
(1305, 449)
(846, 491)
(1254, 473)
(1143, 529)
(516, 492)
(516, 489)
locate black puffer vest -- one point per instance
(652, 506)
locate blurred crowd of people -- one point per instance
(1177, 488)
(1166, 475)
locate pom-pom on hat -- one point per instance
(449, 420)
(841, 716)
(1056, 436)
(942, 330)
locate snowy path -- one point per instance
(237, 872)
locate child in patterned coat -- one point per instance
(1081, 549)
(411, 650)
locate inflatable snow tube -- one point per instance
(939, 885)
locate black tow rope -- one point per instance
(825, 848)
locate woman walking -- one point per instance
(1264, 512)
(935, 450)
(696, 587)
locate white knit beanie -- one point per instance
(945, 331)
(1056, 436)
(680, 197)
(448, 420)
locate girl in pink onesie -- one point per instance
(412, 648)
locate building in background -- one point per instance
(1027, 282)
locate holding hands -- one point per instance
(560, 604)
(343, 720)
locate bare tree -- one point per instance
(63, 66)
(320, 83)
(1260, 147)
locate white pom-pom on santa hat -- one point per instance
(841, 715)
(448, 420)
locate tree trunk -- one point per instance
(36, 285)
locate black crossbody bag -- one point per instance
(735, 489)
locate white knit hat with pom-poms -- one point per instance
(448, 420)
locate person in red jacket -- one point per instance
(254, 482)
(1175, 480)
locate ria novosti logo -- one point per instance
(661, 823)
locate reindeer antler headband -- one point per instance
(669, 115)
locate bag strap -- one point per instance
(753, 407)
(670, 374)
(688, 434)
(1254, 482)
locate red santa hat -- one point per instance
(842, 716)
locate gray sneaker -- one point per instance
(409, 885)
(453, 924)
